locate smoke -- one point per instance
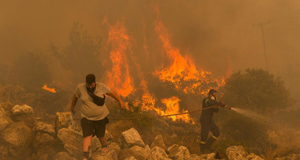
(216, 34)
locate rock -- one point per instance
(194, 157)
(114, 146)
(72, 141)
(111, 155)
(131, 138)
(178, 152)
(236, 153)
(210, 156)
(140, 153)
(108, 136)
(18, 136)
(158, 153)
(45, 157)
(45, 152)
(44, 128)
(63, 156)
(289, 157)
(159, 142)
(95, 145)
(24, 109)
(6, 107)
(4, 120)
(42, 139)
(253, 156)
(24, 114)
(125, 153)
(137, 152)
(63, 120)
(4, 152)
(130, 158)
(239, 153)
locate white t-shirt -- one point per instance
(89, 109)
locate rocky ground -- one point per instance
(25, 137)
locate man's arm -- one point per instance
(73, 104)
(115, 96)
(212, 103)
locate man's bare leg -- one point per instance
(86, 145)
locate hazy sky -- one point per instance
(213, 32)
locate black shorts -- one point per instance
(93, 127)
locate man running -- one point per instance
(93, 111)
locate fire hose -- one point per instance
(228, 107)
(169, 115)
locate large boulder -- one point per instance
(6, 107)
(44, 128)
(24, 114)
(109, 137)
(24, 109)
(44, 153)
(95, 145)
(72, 141)
(63, 156)
(114, 146)
(178, 152)
(42, 139)
(63, 120)
(138, 152)
(4, 152)
(110, 155)
(131, 138)
(18, 136)
(289, 157)
(253, 156)
(130, 158)
(158, 153)
(4, 120)
(159, 142)
(210, 156)
(236, 153)
(239, 153)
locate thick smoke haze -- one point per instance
(216, 34)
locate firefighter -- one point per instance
(209, 106)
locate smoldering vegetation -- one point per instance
(161, 57)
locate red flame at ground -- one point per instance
(45, 87)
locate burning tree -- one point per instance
(257, 90)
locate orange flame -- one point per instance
(182, 72)
(52, 90)
(119, 77)
(172, 105)
(182, 68)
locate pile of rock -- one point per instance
(23, 137)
